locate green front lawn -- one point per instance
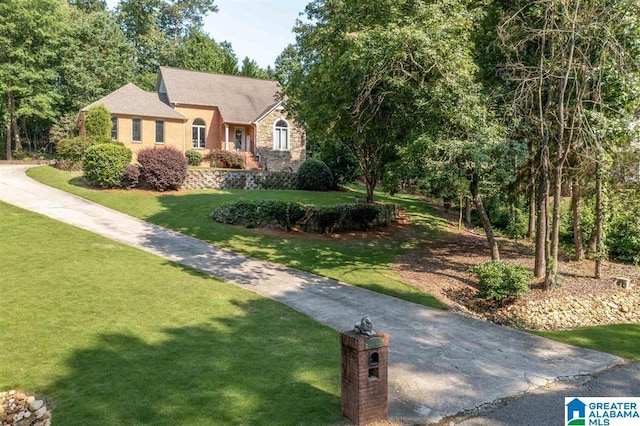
(364, 262)
(108, 334)
(622, 340)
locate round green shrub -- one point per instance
(314, 175)
(163, 168)
(104, 164)
(498, 281)
(194, 157)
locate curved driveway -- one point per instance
(440, 363)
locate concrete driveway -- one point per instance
(440, 363)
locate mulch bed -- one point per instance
(440, 269)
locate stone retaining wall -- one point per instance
(238, 179)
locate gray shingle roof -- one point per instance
(239, 99)
(132, 100)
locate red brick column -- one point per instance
(364, 377)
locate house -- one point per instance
(576, 410)
(204, 112)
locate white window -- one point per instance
(198, 132)
(281, 135)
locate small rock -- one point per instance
(40, 412)
(35, 405)
(31, 398)
(27, 414)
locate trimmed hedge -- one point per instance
(163, 168)
(281, 214)
(104, 164)
(287, 214)
(314, 175)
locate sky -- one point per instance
(259, 29)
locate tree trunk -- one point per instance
(493, 245)
(8, 147)
(370, 182)
(599, 219)
(467, 210)
(577, 223)
(542, 208)
(531, 232)
(591, 244)
(14, 122)
(8, 141)
(551, 275)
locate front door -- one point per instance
(238, 139)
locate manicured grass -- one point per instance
(622, 340)
(108, 334)
(364, 262)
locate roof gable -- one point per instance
(239, 99)
(132, 100)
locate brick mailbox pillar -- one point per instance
(364, 377)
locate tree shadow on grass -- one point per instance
(240, 369)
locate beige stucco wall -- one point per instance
(212, 125)
(173, 133)
(280, 160)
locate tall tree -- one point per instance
(89, 5)
(559, 53)
(29, 40)
(199, 52)
(156, 28)
(178, 17)
(250, 68)
(370, 74)
(95, 59)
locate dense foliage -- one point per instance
(71, 150)
(194, 157)
(97, 123)
(163, 168)
(104, 164)
(287, 214)
(131, 176)
(314, 175)
(340, 160)
(274, 213)
(498, 281)
(226, 159)
(60, 56)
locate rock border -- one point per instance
(21, 409)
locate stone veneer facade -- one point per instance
(238, 179)
(279, 160)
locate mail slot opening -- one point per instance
(374, 373)
(374, 358)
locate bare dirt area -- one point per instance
(439, 268)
